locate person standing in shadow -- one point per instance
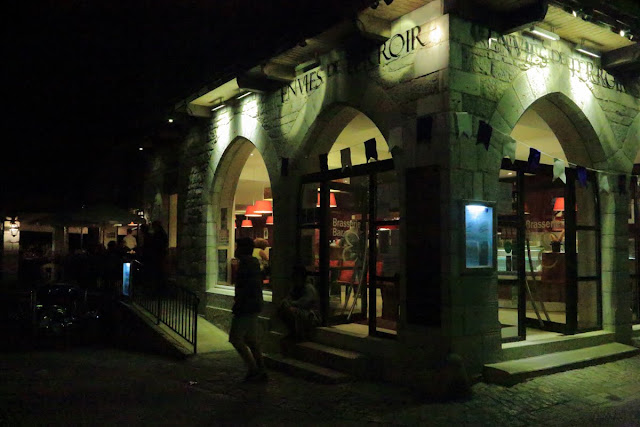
(246, 308)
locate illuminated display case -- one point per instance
(479, 236)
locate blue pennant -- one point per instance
(582, 176)
(534, 159)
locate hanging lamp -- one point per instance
(270, 220)
(263, 207)
(332, 201)
(246, 223)
(251, 211)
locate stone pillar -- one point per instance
(616, 281)
(471, 299)
(285, 205)
(10, 257)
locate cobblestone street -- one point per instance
(92, 386)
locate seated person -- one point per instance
(300, 310)
(260, 252)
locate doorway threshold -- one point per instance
(551, 343)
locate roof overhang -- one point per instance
(373, 26)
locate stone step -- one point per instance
(352, 362)
(514, 371)
(530, 348)
(306, 370)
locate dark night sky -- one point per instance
(86, 77)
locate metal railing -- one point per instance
(171, 304)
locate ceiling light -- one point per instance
(622, 33)
(217, 108)
(574, 13)
(244, 95)
(543, 33)
(263, 207)
(170, 120)
(587, 51)
(251, 212)
(140, 148)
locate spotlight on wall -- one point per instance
(587, 51)
(541, 32)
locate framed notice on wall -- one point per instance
(479, 236)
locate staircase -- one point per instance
(319, 362)
(528, 360)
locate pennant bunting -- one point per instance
(622, 184)
(284, 166)
(582, 175)
(603, 182)
(559, 170)
(324, 164)
(534, 159)
(370, 149)
(345, 158)
(484, 134)
(464, 124)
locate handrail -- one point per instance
(173, 305)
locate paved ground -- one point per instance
(102, 386)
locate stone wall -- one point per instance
(496, 81)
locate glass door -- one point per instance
(349, 239)
(557, 286)
(511, 269)
(545, 252)
(348, 249)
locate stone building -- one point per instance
(420, 161)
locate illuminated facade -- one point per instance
(451, 111)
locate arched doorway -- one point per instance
(243, 207)
(348, 230)
(549, 270)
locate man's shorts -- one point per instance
(244, 328)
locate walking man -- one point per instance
(246, 308)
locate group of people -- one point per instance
(299, 311)
(97, 267)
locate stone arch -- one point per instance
(631, 143)
(233, 146)
(339, 108)
(556, 87)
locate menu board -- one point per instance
(478, 236)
